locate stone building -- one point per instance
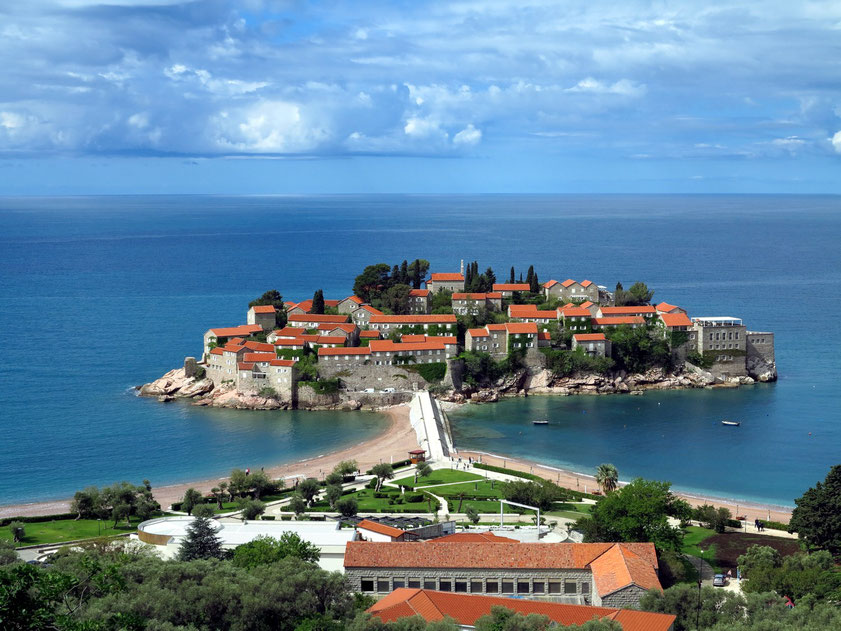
(665, 307)
(264, 315)
(416, 323)
(445, 282)
(349, 305)
(491, 339)
(313, 320)
(419, 301)
(473, 304)
(576, 319)
(221, 363)
(761, 361)
(604, 324)
(594, 344)
(602, 574)
(466, 609)
(221, 336)
(261, 370)
(530, 313)
(572, 291)
(646, 311)
(362, 316)
(723, 340)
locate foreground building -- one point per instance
(604, 574)
(466, 609)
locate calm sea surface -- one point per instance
(99, 294)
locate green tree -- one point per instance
(636, 350)
(347, 506)
(816, 517)
(373, 280)
(346, 467)
(607, 477)
(239, 484)
(333, 494)
(266, 550)
(512, 277)
(298, 505)
(709, 607)
(204, 510)
(308, 489)
(201, 541)
(396, 299)
(334, 478)
(422, 470)
(712, 517)
(273, 298)
(86, 503)
(533, 493)
(639, 294)
(18, 531)
(217, 495)
(252, 509)
(472, 515)
(192, 498)
(639, 511)
(318, 302)
(383, 472)
(8, 555)
(262, 485)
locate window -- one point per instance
(367, 584)
(554, 587)
(476, 587)
(414, 583)
(397, 583)
(585, 588)
(492, 587)
(429, 583)
(570, 587)
(445, 586)
(382, 585)
(522, 587)
(538, 587)
(507, 587)
(461, 586)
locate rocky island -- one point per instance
(464, 337)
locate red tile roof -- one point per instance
(532, 314)
(413, 338)
(608, 311)
(419, 293)
(229, 348)
(317, 317)
(330, 339)
(283, 362)
(390, 346)
(258, 347)
(495, 327)
(259, 357)
(382, 529)
(575, 312)
(616, 321)
(586, 304)
(357, 350)
(550, 283)
(522, 309)
(371, 310)
(264, 309)
(234, 331)
(290, 331)
(568, 282)
(620, 567)
(586, 283)
(369, 335)
(476, 537)
(521, 327)
(244, 366)
(466, 609)
(446, 277)
(355, 299)
(478, 332)
(347, 327)
(447, 339)
(589, 337)
(675, 319)
(666, 307)
(544, 335)
(441, 318)
(460, 296)
(511, 287)
(216, 351)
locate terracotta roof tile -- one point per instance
(511, 287)
(258, 357)
(575, 312)
(347, 327)
(586, 304)
(550, 283)
(442, 318)
(518, 328)
(616, 321)
(586, 283)
(355, 299)
(258, 347)
(589, 337)
(444, 276)
(390, 346)
(568, 282)
(495, 327)
(234, 331)
(330, 339)
(675, 319)
(264, 309)
(465, 609)
(283, 362)
(318, 317)
(620, 311)
(478, 332)
(419, 293)
(383, 529)
(244, 366)
(357, 350)
(369, 335)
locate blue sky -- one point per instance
(273, 96)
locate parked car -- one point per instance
(719, 580)
(368, 390)
(388, 390)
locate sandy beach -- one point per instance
(392, 445)
(587, 483)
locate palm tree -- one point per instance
(607, 477)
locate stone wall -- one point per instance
(761, 359)
(625, 597)
(361, 377)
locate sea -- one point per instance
(100, 294)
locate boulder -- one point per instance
(196, 388)
(353, 404)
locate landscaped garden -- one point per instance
(388, 500)
(70, 529)
(439, 476)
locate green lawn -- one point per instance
(691, 542)
(40, 533)
(478, 488)
(370, 504)
(569, 510)
(439, 476)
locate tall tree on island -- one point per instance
(318, 302)
(201, 541)
(273, 298)
(490, 278)
(511, 280)
(404, 273)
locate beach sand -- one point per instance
(392, 445)
(583, 482)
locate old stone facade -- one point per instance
(723, 340)
(572, 291)
(263, 316)
(473, 304)
(445, 282)
(419, 301)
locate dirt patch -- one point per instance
(730, 546)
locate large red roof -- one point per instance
(675, 319)
(466, 609)
(575, 312)
(259, 357)
(511, 287)
(356, 350)
(419, 293)
(234, 331)
(589, 337)
(521, 327)
(390, 346)
(608, 311)
(317, 317)
(383, 529)
(264, 309)
(445, 276)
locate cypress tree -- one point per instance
(535, 284)
(530, 274)
(317, 302)
(404, 272)
(201, 541)
(395, 276)
(512, 275)
(416, 277)
(491, 278)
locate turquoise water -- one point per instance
(98, 294)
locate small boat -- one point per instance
(541, 421)
(733, 423)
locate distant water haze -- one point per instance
(98, 294)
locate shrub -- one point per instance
(431, 373)
(268, 517)
(267, 392)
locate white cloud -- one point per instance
(623, 87)
(836, 142)
(267, 127)
(422, 128)
(11, 120)
(468, 136)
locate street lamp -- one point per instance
(698, 610)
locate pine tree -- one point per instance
(467, 277)
(512, 275)
(317, 302)
(201, 541)
(491, 277)
(521, 278)
(404, 272)
(416, 275)
(530, 274)
(395, 276)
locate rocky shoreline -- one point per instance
(177, 385)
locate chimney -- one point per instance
(462, 267)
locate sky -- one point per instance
(521, 96)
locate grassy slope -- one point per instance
(41, 533)
(440, 476)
